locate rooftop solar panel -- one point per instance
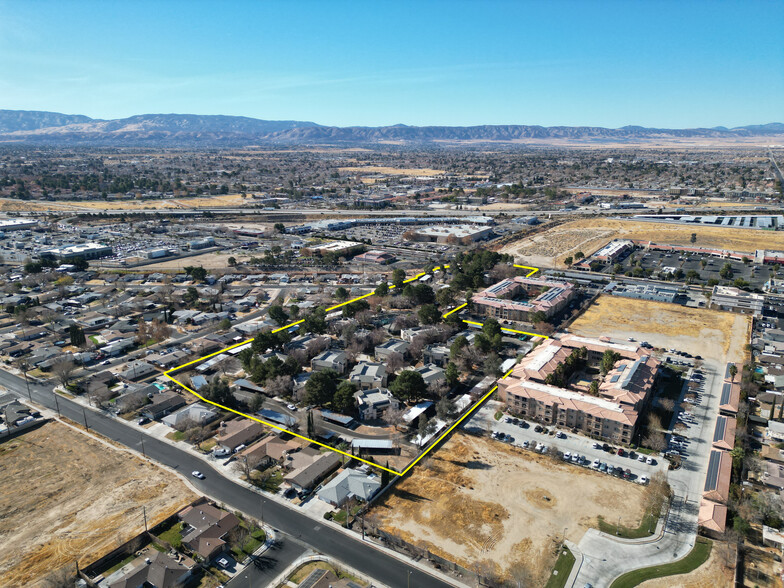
(725, 393)
(711, 481)
(615, 378)
(721, 426)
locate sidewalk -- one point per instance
(227, 472)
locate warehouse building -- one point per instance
(450, 234)
(736, 300)
(83, 250)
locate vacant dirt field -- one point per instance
(709, 333)
(483, 503)
(550, 247)
(213, 260)
(65, 497)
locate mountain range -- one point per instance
(174, 130)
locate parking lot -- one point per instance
(656, 262)
(588, 451)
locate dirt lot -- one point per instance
(712, 574)
(480, 502)
(550, 247)
(66, 497)
(705, 332)
(213, 260)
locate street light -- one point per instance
(409, 578)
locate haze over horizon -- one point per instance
(607, 64)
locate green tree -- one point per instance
(568, 260)
(445, 409)
(77, 335)
(579, 255)
(726, 271)
(608, 360)
(341, 294)
(382, 290)
(343, 401)
(280, 227)
(351, 309)
(446, 296)
(224, 325)
(428, 314)
(316, 322)
(320, 387)
(218, 392)
(537, 317)
(694, 237)
(594, 388)
(452, 374)
(278, 315)
(232, 261)
(459, 342)
(398, 277)
(409, 385)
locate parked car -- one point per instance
(641, 458)
(198, 474)
(651, 461)
(643, 479)
(142, 421)
(602, 467)
(560, 435)
(620, 452)
(567, 455)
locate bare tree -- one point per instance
(65, 577)
(395, 361)
(280, 386)
(63, 369)
(521, 575)
(246, 464)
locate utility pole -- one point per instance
(144, 513)
(84, 413)
(142, 440)
(57, 404)
(24, 367)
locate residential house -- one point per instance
(330, 359)
(348, 484)
(158, 569)
(196, 413)
(436, 354)
(136, 370)
(375, 403)
(315, 467)
(238, 432)
(390, 346)
(270, 450)
(369, 375)
(206, 527)
(431, 374)
(163, 404)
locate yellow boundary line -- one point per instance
(319, 443)
(529, 274)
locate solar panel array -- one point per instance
(712, 479)
(721, 426)
(726, 390)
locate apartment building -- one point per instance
(518, 298)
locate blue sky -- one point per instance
(652, 63)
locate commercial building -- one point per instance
(550, 385)
(644, 292)
(375, 256)
(83, 250)
(334, 247)
(503, 300)
(736, 300)
(450, 234)
(17, 224)
(614, 250)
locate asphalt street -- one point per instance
(295, 526)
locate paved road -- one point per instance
(320, 537)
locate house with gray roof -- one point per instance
(348, 484)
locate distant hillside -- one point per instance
(34, 127)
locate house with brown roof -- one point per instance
(611, 413)
(238, 432)
(309, 469)
(271, 449)
(717, 481)
(163, 404)
(205, 530)
(158, 569)
(724, 433)
(712, 518)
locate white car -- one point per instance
(641, 458)
(643, 479)
(650, 461)
(198, 474)
(595, 464)
(291, 407)
(568, 455)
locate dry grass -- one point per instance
(705, 332)
(66, 497)
(484, 503)
(712, 574)
(551, 246)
